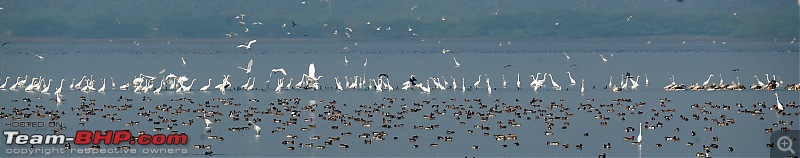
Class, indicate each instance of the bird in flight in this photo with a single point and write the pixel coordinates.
(249, 67)
(281, 70)
(507, 66)
(4, 44)
(157, 28)
(294, 24)
(630, 17)
(248, 44)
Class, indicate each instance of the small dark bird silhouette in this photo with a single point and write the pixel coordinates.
(294, 24)
(507, 66)
(735, 70)
(4, 44)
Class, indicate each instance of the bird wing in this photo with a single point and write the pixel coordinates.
(241, 68)
(242, 46)
(250, 64)
(251, 42)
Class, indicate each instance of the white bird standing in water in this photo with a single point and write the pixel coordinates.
(58, 91)
(183, 61)
(646, 81)
(518, 81)
(582, 86)
(555, 85)
(463, 86)
(255, 127)
(365, 62)
(103, 87)
(778, 101)
(571, 81)
(338, 84)
(639, 138)
(205, 88)
(345, 60)
(457, 64)
(504, 80)
(565, 54)
(208, 122)
(477, 83)
(488, 86)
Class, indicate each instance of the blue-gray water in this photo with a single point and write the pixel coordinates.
(690, 63)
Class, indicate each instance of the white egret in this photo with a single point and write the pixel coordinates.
(555, 85)
(518, 81)
(281, 70)
(158, 90)
(103, 87)
(778, 101)
(183, 61)
(4, 83)
(582, 86)
(488, 86)
(208, 122)
(504, 81)
(58, 91)
(345, 60)
(338, 84)
(250, 87)
(255, 127)
(247, 83)
(248, 44)
(604, 58)
(249, 67)
(639, 138)
(709, 79)
(646, 81)
(571, 81)
(189, 87)
(478, 82)
(565, 54)
(47, 88)
(463, 87)
(457, 64)
(205, 88)
(365, 62)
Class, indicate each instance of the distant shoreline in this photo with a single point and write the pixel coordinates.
(430, 39)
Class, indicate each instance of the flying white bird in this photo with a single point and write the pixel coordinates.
(604, 58)
(281, 70)
(249, 67)
(248, 44)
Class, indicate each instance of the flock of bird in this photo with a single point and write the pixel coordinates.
(284, 115)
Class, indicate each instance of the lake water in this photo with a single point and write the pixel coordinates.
(689, 63)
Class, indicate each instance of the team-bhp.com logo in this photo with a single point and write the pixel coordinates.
(84, 137)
